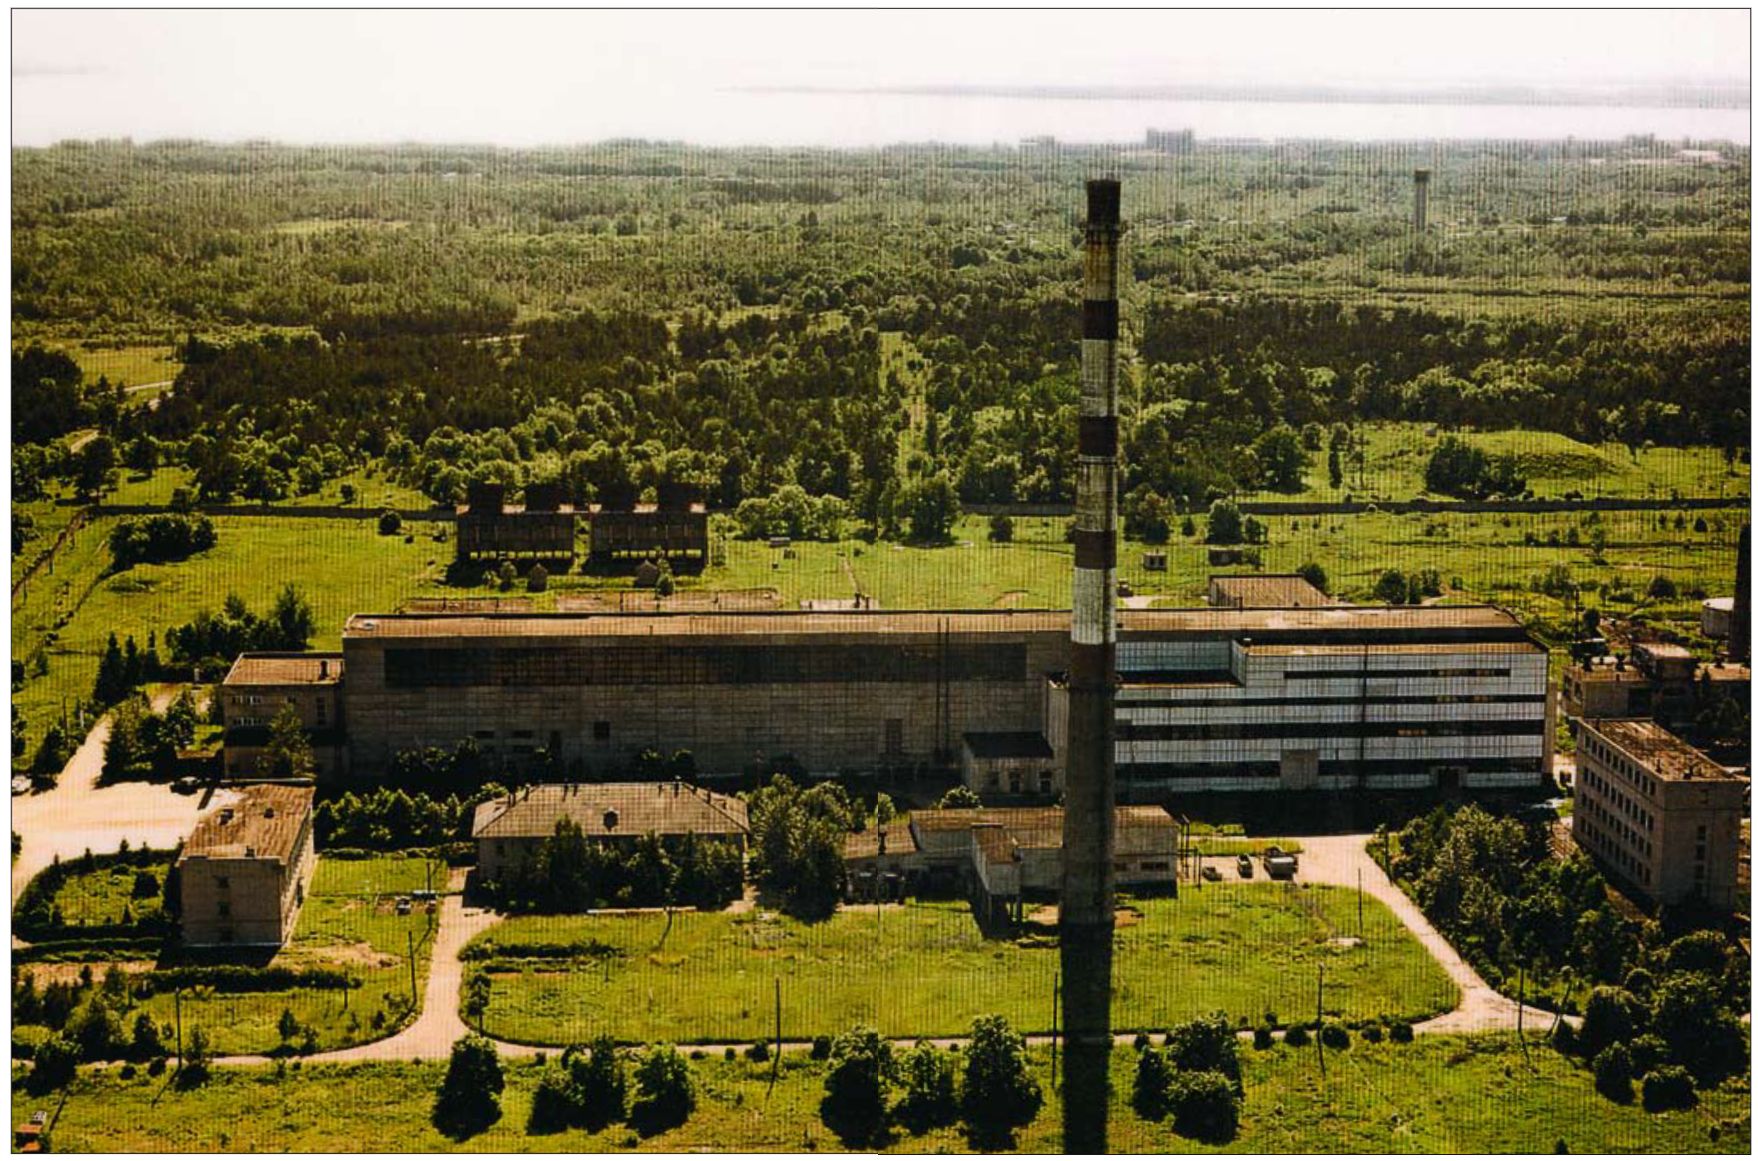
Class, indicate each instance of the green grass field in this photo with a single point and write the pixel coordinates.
(342, 566)
(1439, 1095)
(1245, 949)
(1554, 465)
(131, 366)
(99, 896)
(348, 920)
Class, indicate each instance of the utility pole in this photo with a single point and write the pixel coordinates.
(1321, 1021)
(1360, 908)
(1055, 1005)
(414, 997)
(775, 1059)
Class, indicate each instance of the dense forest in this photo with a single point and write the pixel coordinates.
(869, 326)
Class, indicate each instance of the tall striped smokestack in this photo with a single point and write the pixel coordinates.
(1088, 887)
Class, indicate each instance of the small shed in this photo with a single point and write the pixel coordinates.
(1153, 561)
(1011, 762)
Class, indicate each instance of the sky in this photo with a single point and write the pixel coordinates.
(559, 77)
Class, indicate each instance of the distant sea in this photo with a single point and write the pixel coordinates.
(872, 119)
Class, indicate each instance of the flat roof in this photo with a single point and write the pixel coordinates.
(1396, 647)
(603, 809)
(1659, 750)
(1664, 649)
(1332, 618)
(263, 824)
(1270, 591)
(1031, 826)
(1009, 744)
(285, 669)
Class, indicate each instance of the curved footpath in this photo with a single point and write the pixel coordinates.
(1330, 859)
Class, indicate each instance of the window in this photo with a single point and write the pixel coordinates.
(601, 731)
(322, 711)
(222, 882)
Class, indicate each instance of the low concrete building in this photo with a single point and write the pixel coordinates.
(650, 531)
(1010, 762)
(243, 874)
(508, 831)
(1265, 591)
(1003, 855)
(1656, 813)
(260, 685)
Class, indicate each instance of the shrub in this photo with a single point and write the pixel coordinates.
(1611, 1073)
(1263, 1038)
(1298, 1036)
(470, 1096)
(1142, 1040)
(820, 1048)
(1646, 1051)
(1205, 1045)
(1334, 1036)
(999, 1093)
(1151, 1097)
(552, 1104)
(1668, 1087)
(758, 1052)
(861, 1069)
(1612, 1016)
(194, 1070)
(1564, 1039)
(601, 1084)
(1205, 1106)
(1373, 1033)
(537, 580)
(665, 1092)
(929, 1079)
(389, 522)
(1001, 528)
(54, 1064)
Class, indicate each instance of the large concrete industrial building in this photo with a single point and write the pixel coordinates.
(1334, 698)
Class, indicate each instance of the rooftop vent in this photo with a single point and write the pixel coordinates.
(226, 815)
(268, 812)
(610, 820)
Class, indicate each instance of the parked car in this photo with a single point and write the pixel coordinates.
(1212, 873)
(1245, 866)
(1278, 864)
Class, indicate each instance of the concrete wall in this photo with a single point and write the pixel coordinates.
(245, 900)
(844, 725)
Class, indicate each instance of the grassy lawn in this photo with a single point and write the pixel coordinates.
(1440, 1095)
(130, 366)
(1554, 465)
(1246, 949)
(99, 896)
(1228, 846)
(349, 921)
(343, 566)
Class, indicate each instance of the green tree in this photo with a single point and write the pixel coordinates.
(855, 1087)
(1391, 588)
(999, 1093)
(1281, 458)
(930, 1088)
(1314, 575)
(931, 506)
(470, 1096)
(1001, 528)
(1225, 524)
(600, 1081)
(53, 1065)
(288, 752)
(390, 522)
(665, 1092)
(95, 467)
(959, 798)
(292, 621)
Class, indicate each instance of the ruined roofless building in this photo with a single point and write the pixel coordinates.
(490, 529)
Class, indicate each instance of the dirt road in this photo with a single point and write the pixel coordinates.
(79, 815)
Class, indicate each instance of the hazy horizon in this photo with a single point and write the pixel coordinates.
(869, 79)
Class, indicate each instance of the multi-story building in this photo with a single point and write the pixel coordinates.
(1331, 697)
(508, 831)
(244, 871)
(1662, 681)
(260, 686)
(1660, 815)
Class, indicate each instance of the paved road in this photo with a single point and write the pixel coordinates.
(1332, 859)
(78, 814)
(1339, 860)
